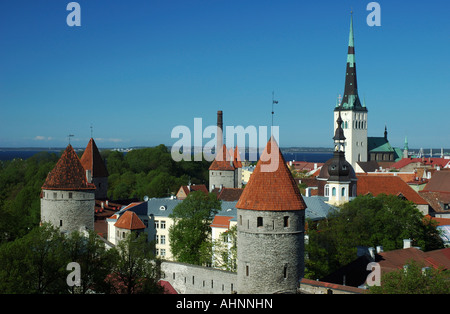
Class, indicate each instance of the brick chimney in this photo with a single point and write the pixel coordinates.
(219, 130)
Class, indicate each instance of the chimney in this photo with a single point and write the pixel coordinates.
(219, 130)
(406, 243)
(372, 253)
(88, 176)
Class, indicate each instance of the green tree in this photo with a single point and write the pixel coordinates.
(366, 221)
(136, 269)
(191, 228)
(413, 279)
(95, 261)
(34, 263)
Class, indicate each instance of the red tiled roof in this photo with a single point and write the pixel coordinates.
(221, 221)
(229, 194)
(441, 162)
(396, 259)
(387, 184)
(91, 160)
(129, 220)
(68, 174)
(168, 288)
(237, 158)
(223, 160)
(271, 186)
(439, 182)
(191, 188)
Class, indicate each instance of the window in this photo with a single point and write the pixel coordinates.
(60, 223)
(343, 192)
(285, 271)
(286, 221)
(55, 195)
(156, 224)
(163, 224)
(240, 220)
(163, 252)
(70, 194)
(163, 239)
(327, 190)
(333, 192)
(259, 222)
(246, 270)
(157, 239)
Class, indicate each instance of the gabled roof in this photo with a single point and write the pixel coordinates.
(91, 160)
(221, 222)
(387, 184)
(186, 189)
(439, 182)
(223, 161)
(271, 186)
(130, 221)
(228, 194)
(68, 174)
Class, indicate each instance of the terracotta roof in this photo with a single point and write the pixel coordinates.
(396, 259)
(91, 160)
(441, 162)
(223, 160)
(221, 221)
(168, 288)
(129, 220)
(68, 174)
(439, 182)
(387, 184)
(186, 189)
(228, 194)
(271, 186)
(237, 158)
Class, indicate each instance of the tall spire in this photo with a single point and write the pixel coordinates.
(351, 100)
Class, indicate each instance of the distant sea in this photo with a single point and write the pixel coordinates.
(297, 156)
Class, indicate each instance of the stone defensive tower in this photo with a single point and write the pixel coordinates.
(270, 230)
(67, 198)
(92, 161)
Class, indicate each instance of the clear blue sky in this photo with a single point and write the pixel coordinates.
(136, 69)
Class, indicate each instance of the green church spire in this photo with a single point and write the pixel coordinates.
(351, 100)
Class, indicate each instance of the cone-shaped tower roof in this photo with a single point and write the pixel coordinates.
(271, 186)
(91, 160)
(68, 174)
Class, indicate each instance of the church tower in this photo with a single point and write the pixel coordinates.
(270, 228)
(67, 198)
(354, 115)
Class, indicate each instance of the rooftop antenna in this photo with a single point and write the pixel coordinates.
(69, 136)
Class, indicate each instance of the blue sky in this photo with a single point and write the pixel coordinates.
(136, 69)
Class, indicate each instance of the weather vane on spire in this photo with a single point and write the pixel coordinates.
(69, 136)
(273, 102)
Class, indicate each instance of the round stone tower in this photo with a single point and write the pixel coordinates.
(270, 230)
(67, 198)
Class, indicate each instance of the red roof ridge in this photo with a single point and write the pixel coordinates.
(271, 186)
(68, 174)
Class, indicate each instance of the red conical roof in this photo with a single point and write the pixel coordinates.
(68, 174)
(91, 160)
(271, 185)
